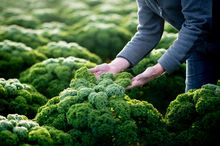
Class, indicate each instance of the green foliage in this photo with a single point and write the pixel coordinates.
(77, 115)
(17, 129)
(40, 135)
(181, 112)
(68, 92)
(53, 75)
(87, 18)
(83, 78)
(148, 61)
(105, 40)
(63, 49)
(111, 7)
(17, 57)
(99, 100)
(49, 114)
(75, 16)
(91, 111)
(93, 115)
(142, 111)
(194, 116)
(5, 125)
(167, 40)
(130, 22)
(10, 12)
(85, 74)
(101, 123)
(47, 15)
(23, 20)
(19, 98)
(59, 137)
(115, 90)
(54, 31)
(21, 132)
(123, 79)
(81, 138)
(207, 99)
(169, 28)
(29, 37)
(8, 138)
(12, 132)
(105, 76)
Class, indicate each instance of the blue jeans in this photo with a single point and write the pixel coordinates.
(201, 69)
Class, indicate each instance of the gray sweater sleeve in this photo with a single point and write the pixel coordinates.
(149, 31)
(197, 14)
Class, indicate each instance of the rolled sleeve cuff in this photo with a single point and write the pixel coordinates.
(168, 62)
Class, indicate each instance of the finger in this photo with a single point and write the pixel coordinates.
(137, 78)
(135, 83)
(128, 87)
(131, 87)
(93, 70)
(97, 74)
(101, 67)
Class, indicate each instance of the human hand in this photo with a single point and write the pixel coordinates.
(149, 74)
(103, 68)
(116, 66)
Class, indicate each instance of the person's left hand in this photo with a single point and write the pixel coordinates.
(149, 74)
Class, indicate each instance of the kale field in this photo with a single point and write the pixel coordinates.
(49, 98)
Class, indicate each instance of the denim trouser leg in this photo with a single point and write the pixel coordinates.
(201, 70)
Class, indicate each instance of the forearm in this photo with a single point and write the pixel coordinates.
(149, 32)
(191, 36)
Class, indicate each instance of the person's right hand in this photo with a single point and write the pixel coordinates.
(116, 66)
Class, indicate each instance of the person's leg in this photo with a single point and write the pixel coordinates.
(201, 69)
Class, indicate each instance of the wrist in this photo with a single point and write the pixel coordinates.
(119, 64)
(158, 69)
